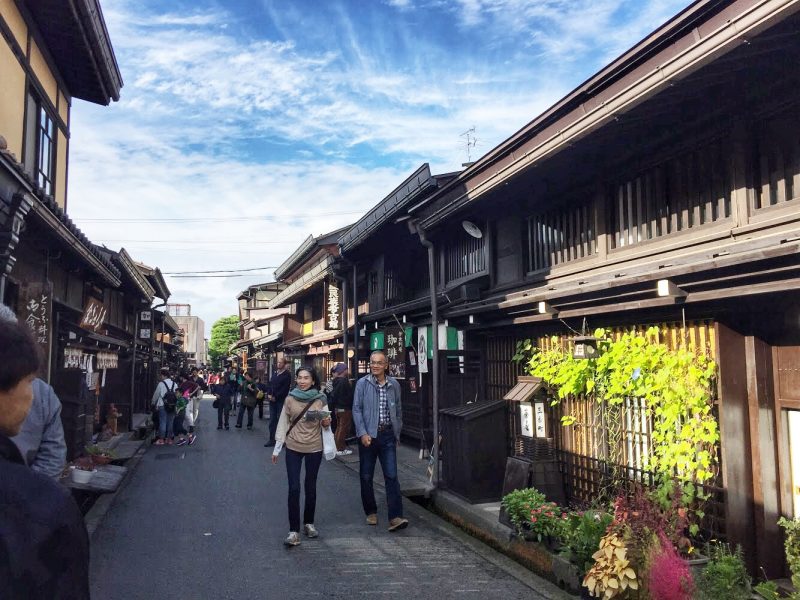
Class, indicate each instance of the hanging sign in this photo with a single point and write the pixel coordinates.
(94, 315)
(422, 349)
(333, 307)
(145, 316)
(395, 349)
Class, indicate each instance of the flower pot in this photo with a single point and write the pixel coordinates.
(81, 476)
(101, 459)
(697, 564)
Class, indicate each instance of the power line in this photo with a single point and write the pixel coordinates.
(214, 219)
(209, 276)
(198, 242)
(219, 271)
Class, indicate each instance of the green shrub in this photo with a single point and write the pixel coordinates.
(725, 576)
(520, 503)
(792, 547)
(581, 536)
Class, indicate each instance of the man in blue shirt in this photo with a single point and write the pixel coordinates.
(379, 420)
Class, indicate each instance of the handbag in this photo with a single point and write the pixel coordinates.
(215, 403)
(260, 395)
(328, 443)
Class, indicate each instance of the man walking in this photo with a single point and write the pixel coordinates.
(378, 420)
(341, 399)
(249, 401)
(279, 384)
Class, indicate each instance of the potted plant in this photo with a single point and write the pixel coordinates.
(546, 524)
(581, 537)
(83, 470)
(99, 456)
(518, 506)
(669, 576)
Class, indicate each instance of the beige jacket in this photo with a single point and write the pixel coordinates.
(306, 436)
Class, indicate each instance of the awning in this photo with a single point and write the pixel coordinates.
(313, 339)
(525, 389)
(266, 339)
(316, 273)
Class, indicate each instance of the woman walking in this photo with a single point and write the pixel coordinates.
(300, 428)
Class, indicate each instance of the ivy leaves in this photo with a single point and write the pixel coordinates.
(677, 386)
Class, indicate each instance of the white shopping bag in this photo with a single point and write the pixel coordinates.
(328, 443)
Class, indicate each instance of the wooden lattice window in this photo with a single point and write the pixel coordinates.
(561, 236)
(777, 164)
(685, 192)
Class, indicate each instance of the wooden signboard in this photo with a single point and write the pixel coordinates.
(36, 310)
(333, 307)
(395, 341)
(94, 315)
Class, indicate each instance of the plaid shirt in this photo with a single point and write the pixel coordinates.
(384, 418)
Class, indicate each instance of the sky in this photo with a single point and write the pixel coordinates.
(245, 126)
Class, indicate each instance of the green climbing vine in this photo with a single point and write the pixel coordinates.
(677, 386)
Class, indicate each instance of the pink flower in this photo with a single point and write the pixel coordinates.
(563, 515)
(533, 520)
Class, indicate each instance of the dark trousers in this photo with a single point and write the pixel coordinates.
(383, 448)
(177, 425)
(250, 410)
(260, 409)
(223, 411)
(294, 462)
(275, 410)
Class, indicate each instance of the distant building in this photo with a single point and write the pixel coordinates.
(193, 328)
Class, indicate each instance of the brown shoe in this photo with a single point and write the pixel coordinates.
(372, 519)
(398, 523)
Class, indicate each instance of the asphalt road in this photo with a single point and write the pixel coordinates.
(208, 521)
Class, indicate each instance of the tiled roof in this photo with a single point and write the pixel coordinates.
(50, 204)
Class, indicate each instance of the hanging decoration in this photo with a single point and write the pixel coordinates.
(107, 360)
(73, 357)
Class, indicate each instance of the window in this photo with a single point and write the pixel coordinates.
(40, 147)
(561, 236)
(777, 165)
(685, 192)
(464, 256)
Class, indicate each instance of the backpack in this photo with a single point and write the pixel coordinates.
(170, 399)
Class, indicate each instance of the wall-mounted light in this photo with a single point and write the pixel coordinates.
(545, 308)
(585, 347)
(472, 319)
(666, 288)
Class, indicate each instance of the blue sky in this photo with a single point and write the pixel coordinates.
(272, 120)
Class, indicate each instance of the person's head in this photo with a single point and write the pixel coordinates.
(378, 363)
(193, 371)
(249, 376)
(307, 378)
(19, 362)
(164, 373)
(339, 370)
(281, 363)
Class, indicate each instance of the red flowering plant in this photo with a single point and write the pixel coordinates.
(670, 577)
(547, 522)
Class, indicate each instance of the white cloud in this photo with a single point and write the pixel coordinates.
(319, 120)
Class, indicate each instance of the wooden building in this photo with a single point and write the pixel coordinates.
(313, 332)
(663, 190)
(385, 265)
(261, 328)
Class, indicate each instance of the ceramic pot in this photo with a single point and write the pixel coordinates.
(81, 476)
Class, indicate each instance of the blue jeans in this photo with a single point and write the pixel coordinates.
(294, 462)
(383, 448)
(165, 422)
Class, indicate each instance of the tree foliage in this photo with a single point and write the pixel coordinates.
(224, 332)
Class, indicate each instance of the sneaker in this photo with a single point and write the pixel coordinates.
(159, 442)
(269, 444)
(398, 523)
(310, 530)
(372, 519)
(169, 442)
(249, 427)
(219, 427)
(347, 452)
(227, 427)
(192, 439)
(293, 539)
(238, 427)
(182, 442)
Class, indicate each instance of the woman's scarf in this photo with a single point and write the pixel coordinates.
(309, 395)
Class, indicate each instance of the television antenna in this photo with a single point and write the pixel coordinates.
(470, 142)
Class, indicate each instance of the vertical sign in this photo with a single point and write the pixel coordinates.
(333, 307)
(36, 311)
(396, 351)
(526, 419)
(541, 420)
(422, 349)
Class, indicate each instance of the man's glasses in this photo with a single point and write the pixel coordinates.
(373, 363)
